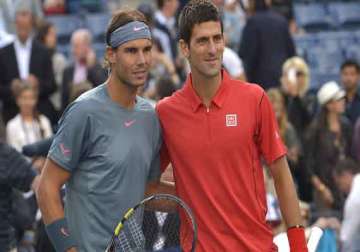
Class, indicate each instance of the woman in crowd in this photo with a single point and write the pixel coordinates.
(294, 85)
(328, 140)
(28, 126)
(46, 34)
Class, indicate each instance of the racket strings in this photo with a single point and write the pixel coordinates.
(150, 230)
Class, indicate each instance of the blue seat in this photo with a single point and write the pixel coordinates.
(353, 52)
(347, 15)
(303, 42)
(85, 6)
(317, 79)
(99, 49)
(65, 26)
(325, 60)
(97, 24)
(334, 40)
(357, 36)
(312, 17)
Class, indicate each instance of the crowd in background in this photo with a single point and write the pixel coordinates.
(321, 128)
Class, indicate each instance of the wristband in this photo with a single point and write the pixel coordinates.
(59, 235)
(296, 237)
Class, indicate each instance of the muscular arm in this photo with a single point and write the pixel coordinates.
(285, 189)
(52, 179)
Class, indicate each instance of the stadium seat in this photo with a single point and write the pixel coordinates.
(353, 52)
(325, 60)
(99, 49)
(65, 25)
(338, 39)
(347, 15)
(317, 79)
(85, 6)
(303, 42)
(357, 36)
(312, 17)
(97, 24)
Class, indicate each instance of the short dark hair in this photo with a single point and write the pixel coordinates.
(160, 3)
(196, 12)
(350, 63)
(346, 165)
(121, 18)
(42, 31)
(165, 87)
(260, 5)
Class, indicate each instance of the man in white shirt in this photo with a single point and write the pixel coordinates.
(165, 21)
(28, 60)
(233, 64)
(347, 178)
(84, 69)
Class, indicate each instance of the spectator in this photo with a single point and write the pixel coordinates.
(165, 21)
(164, 87)
(15, 173)
(28, 60)
(5, 37)
(263, 58)
(233, 64)
(46, 34)
(161, 67)
(28, 126)
(356, 140)
(300, 106)
(8, 11)
(287, 130)
(54, 7)
(234, 20)
(294, 85)
(350, 77)
(285, 8)
(328, 140)
(85, 66)
(347, 178)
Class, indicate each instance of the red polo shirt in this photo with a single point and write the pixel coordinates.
(216, 155)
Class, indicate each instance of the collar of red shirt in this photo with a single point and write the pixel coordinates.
(219, 98)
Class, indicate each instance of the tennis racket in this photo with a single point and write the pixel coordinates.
(161, 222)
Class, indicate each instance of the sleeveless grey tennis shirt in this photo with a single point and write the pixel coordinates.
(111, 152)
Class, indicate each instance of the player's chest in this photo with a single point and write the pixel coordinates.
(223, 128)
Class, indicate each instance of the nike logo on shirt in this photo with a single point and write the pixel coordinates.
(64, 151)
(129, 123)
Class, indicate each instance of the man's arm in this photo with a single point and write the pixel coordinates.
(52, 179)
(289, 204)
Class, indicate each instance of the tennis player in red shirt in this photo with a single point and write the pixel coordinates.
(216, 133)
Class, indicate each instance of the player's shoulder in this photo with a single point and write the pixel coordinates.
(172, 102)
(89, 101)
(144, 104)
(250, 89)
